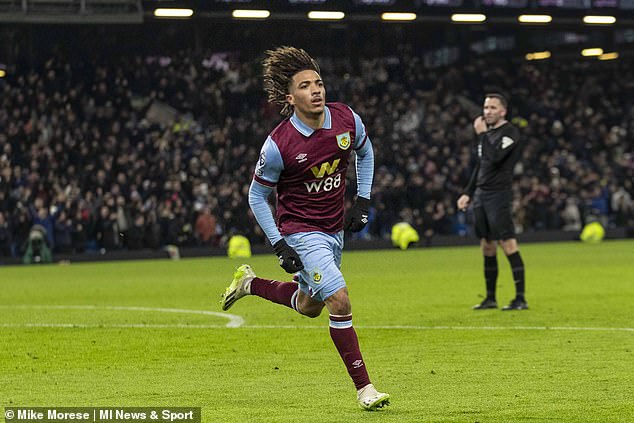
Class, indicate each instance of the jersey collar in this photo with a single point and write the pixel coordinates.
(306, 130)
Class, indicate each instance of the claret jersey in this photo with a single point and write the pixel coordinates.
(308, 168)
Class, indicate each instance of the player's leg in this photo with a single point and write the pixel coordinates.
(308, 306)
(245, 282)
(345, 339)
(321, 280)
(503, 229)
(286, 293)
(339, 305)
(489, 253)
(488, 249)
(512, 252)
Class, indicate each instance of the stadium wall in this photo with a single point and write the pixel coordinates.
(351, 245)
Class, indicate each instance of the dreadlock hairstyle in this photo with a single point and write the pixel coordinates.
(279, 67)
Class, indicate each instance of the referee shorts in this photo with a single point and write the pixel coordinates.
(493, 215)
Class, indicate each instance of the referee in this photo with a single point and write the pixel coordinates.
(490, 187)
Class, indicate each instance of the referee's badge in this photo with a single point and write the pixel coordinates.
(343, 140)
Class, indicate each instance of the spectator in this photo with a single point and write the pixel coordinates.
(63, 234)
(167, 134)
(136, 234)
(5, 237)
(205, 230)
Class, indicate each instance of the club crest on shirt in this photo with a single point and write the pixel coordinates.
(343, 140)
(316, 276)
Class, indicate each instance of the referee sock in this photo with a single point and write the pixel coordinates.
(491, 274)
(284, 293)
(345, 339)
(517, 267)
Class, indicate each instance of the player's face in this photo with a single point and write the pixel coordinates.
(307, 93)
(494, 111)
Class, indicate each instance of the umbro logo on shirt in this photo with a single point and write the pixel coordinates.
(301, 157)
(507, 141)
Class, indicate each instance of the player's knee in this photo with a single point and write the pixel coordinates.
(488, 247)
(311, 313)
(310, 309)
(509, 246)
(339, 303)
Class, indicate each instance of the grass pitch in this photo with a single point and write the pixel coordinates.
(124, 334)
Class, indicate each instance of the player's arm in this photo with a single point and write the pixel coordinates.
(357, 218)
(365, 159)
(267, 174)
(469, 189)
(258, 201)
(465, 198)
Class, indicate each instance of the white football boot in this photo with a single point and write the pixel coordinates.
(370, 399)
(240, 286)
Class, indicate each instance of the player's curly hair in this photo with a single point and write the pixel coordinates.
(279, 67)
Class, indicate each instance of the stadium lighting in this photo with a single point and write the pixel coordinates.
(539, 55)
(3, 73)
(588, 52)
(542, 19)
(394, 16)
(173, 13)
(609, 56)
(250, 14)
(468, 17)
(599, 20)
(323, 15)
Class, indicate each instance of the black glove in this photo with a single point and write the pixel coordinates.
(357, 216)
(289, 260)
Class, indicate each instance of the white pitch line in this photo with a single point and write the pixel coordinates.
(111, 326)
(234, 320)
(197, 326)
(405, 327)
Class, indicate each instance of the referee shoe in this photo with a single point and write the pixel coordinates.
(516, 304)
(488, 303)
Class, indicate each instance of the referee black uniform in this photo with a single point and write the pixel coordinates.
(499, 149)
(491, 188)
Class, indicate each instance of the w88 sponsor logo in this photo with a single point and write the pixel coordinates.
(327, 184)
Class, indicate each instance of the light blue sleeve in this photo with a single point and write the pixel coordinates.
(360, 132)
(258, 196)
(365, 158)
(270, 163)
(267, 173)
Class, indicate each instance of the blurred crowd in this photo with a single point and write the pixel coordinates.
(142, 152)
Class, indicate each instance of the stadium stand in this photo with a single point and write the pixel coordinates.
(141, 151)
